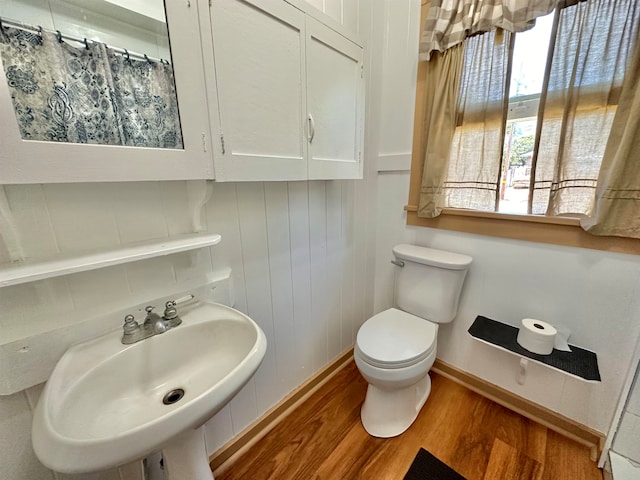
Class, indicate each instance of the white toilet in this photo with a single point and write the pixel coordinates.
(396, 348)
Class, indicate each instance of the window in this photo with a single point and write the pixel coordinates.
(531, 130)
(552, 116)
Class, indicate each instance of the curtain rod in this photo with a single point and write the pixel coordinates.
(83, 41)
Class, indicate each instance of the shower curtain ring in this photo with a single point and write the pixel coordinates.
(40, 30)
(86, 44)
(148, 59)
(126, 52)
(59, 36)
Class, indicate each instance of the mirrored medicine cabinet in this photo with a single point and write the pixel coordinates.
(102, 90)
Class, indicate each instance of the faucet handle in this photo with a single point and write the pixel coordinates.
(170, 310)
(130, 325)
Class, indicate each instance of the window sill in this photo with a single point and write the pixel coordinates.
(533, 228)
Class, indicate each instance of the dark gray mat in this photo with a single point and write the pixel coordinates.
(579, 362)
(427, 467)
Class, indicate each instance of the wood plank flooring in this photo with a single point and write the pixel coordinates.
(323, 439)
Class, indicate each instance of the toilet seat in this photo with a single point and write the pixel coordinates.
(395, 339)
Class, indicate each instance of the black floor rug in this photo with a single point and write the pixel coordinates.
(427, 467)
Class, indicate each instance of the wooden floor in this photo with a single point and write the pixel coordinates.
(324, 439)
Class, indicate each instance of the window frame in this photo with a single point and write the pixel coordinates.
(565, 231)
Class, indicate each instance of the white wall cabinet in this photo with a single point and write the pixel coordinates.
(35, 161)
(266, 89)
(290, 93)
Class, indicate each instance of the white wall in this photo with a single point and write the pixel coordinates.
(594, 293)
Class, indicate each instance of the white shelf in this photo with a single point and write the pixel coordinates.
(31, 271)
(578, 363)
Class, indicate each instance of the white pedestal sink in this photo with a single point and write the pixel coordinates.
(103, 404)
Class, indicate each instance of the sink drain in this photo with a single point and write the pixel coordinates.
(173, 396)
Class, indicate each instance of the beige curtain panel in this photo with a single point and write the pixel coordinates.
(449, 22)
(593, 46)
(476, 150)
(617, 206)
(465, 132)
(441, 97)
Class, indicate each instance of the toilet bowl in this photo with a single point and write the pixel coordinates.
(395, 349)
(394, 352)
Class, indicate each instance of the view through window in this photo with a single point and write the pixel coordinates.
(527, 77)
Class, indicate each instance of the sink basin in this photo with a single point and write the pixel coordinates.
(107, 404)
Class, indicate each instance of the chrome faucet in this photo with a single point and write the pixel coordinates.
(153, 324)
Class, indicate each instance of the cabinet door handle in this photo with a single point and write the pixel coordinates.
(312, 128)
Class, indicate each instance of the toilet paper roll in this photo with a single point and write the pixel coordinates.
(562, 338)
(536, 336)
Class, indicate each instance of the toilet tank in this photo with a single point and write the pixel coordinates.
(430, 283)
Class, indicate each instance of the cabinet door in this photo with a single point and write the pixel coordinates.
(259, 65)
(335, 103)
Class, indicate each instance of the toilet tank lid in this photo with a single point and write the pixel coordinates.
(431, 256)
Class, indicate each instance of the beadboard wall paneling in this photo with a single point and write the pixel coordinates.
(279, 248)
(255, 256)
(296, 260)
(319, 287)
(292, 247)
(222, 215)
(300, 238)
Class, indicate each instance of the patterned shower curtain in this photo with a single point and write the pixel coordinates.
(90, 94)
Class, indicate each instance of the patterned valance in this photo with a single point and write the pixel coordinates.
(449, 22)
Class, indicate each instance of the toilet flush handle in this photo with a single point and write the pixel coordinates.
(398, 263)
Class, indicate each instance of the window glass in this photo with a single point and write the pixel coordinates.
(527, 77)
(530, 59)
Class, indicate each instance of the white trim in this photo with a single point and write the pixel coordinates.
(394, 162)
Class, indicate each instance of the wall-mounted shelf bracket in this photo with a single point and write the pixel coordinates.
(522, 371)
(199, 193)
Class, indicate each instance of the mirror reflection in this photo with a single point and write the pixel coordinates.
(95, 72)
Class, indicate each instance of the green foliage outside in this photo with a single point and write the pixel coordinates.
(520, 145)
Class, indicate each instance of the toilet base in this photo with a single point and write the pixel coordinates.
(389, 412)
